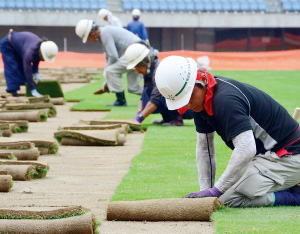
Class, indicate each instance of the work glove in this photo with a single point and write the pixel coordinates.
(37, 77)
(211, 192)
(139, 117)
(36, 93)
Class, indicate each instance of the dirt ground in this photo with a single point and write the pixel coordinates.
(86, 176)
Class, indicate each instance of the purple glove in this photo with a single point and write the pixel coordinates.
(139, 118)
(211, 192)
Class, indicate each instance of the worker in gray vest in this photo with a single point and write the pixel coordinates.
(115, 41)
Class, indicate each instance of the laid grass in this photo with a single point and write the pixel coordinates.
(166, 166)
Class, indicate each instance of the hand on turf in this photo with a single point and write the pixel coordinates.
(35, 93)
(139, 118)
(211, 192)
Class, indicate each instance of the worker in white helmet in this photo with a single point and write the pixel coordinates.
(137, 27)
(145, 62)
(21, 54)
(107, 16)
(264, 167)
(115, 41)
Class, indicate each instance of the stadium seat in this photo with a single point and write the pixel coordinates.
(296, 6)
(66, 5)
(181, 6)
(48, 5)
(136, 4)
(29, 4)
(11, 4)
(20, 4)
(39, 4)
(218, 6)
(3, 4)
(226, 6)
(262, 6)
(75, 5)
(253, 6)
(102, 4)
(85, 5)
(287, 6)
(172, 6)
(208, 6)
(244, 6)
(190, 6)
(163, 6)
(199, 5)
(127, 6)
(57, 5)
(235, 6)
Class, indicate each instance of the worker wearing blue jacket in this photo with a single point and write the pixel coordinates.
(137, 27)
(21, 54)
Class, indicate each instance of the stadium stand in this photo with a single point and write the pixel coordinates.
(158, 5)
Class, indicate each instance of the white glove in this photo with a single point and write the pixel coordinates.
(36, 93)
(37, 77)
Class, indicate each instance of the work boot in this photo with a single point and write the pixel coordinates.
(160, 122)
(104, 89)
(14, 93)
(121, 101)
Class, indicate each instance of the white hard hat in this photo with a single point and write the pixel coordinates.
(103, 12)
(83, 29)
(175, 79)
(48, 49)
(135, 53)
(136, 12)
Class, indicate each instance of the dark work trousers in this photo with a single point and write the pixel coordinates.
(13, 66)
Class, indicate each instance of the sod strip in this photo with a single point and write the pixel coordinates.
(88, 138)
(41, 168)
(30, 115)
(133, 124)
(168, 209)
(22, 145)
(24, 154)
(122, 128)
(16, 126)
(83, 224)
(6, 183)
(45, 98)
(46, 147)
(57, 101)
(19, 172)
(44, 214)
(33, 106)
(6, 155)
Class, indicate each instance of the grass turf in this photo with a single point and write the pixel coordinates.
(166, 166)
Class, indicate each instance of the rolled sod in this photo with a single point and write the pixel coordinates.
(168, 209)
(6, 155)
(57, 101)
(24, 154)
(46, 147)
(5, 183)
(81, 224)
(19, 172)
(10, 145)
(89, 138)
(30, 115)
(122, 128)
(6, 133)
(42, 214)
(41, 167)
(33, 106)
(44, 98)
(17, 125)
(133, 124)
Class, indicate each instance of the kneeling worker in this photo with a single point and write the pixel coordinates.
(264, 167)
(21, 54)
(145, 62)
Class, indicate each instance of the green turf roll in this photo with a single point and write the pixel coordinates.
(51, 88)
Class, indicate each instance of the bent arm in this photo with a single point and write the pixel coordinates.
(206, 162)
(243, 153)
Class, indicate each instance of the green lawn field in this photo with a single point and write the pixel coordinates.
(166, 166)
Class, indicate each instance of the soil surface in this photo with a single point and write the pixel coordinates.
(86, 176)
